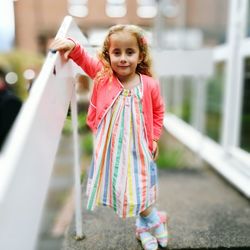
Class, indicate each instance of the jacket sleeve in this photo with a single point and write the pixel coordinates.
(89, 64)
(158, 111)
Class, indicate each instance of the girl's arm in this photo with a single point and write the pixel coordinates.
(158, 111)
(72, 50)
(158, 116)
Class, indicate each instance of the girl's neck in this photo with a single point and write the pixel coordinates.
(130, 82)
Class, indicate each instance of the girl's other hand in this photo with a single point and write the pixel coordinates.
(155, 150)
(63, 45)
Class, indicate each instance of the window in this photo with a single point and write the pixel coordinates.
(78, 8)
(116, 8)
(146, 8)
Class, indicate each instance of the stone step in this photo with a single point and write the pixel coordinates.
(205, 213)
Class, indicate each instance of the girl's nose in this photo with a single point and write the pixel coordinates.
(123, 58)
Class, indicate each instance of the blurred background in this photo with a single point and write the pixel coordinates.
(28, 26)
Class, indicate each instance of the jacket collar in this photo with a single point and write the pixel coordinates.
(120, 84)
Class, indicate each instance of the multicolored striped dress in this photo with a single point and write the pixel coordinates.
(123, 174)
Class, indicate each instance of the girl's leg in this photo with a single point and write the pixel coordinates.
(148, 241)
(157, 221)
(146, 212)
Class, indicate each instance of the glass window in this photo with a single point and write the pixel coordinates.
(146, 8)
(78, 8)
(116, 8)
(245, 121)
(213, 116)
(146, 11)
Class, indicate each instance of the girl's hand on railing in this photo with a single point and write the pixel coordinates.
(63, 45)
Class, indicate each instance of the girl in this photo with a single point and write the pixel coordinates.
(126, 115)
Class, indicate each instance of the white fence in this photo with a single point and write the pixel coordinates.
(27, 157)
(230, 162)
(226, 157)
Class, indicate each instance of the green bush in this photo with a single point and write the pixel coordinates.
(82, 122)
(171, 158)
(82, 126)
(18, 61)
(67, 128)
(87, 144)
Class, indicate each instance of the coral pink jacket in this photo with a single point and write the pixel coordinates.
(105, 92)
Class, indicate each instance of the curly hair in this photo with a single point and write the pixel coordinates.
(144, 67)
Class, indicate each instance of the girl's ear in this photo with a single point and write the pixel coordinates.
(141, 58)
(106, 56)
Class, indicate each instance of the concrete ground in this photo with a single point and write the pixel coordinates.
(58, 199)
(205, 213)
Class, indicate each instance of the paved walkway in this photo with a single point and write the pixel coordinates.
(59, 196)
(205, 213)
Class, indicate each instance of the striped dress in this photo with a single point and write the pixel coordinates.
(123, 174)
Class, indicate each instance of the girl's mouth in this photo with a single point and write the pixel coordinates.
(123, 66)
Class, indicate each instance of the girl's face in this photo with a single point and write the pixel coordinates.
(124, 55)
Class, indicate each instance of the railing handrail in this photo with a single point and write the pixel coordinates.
(28, 155)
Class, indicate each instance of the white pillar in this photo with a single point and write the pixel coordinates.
(77, 169)
(234, 71)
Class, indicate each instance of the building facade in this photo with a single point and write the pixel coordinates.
(37, 21)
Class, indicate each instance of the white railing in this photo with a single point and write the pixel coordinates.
(26, 161)
(234, 165)
(226, 157)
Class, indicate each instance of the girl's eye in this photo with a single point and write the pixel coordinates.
(116, 53)
(130, 52)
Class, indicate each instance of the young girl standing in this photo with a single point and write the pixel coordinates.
(126, 115)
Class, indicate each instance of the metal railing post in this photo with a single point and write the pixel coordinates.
(77, 169)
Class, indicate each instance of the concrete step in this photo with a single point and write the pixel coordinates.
(205, 213)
